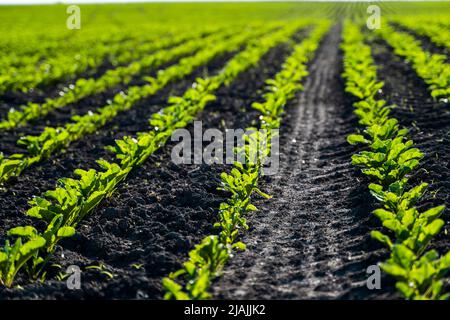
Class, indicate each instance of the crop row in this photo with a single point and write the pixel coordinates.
(432, 68)
(60, 67)
(43, 44)
(53, 140)
(120, 75)
(68, 63)
(32, 51)
(208, 258)
(63, 208)
(388, 160)
(438, 34)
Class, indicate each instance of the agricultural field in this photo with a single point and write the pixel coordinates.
(354, 119)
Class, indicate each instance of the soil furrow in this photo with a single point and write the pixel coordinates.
(163, 210)
(429, 124)
(62, 116)
(426, 42)
(16, 99)
(84, 153)
(41, 92)
(312, 239)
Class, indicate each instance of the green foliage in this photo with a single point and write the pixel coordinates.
(437, 32)
(208, 258)
(38, 53)
(53, 140)
(172, 48)
(62, 209)
(419, 278)
(205, 261)
(432, 68)
(73, 199)
(388, 161)
(25, 252)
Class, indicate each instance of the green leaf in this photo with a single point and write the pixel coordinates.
(377, 191)
(27, 231)
(434, 227)
(406, 290)
(409, 217)
(171, 285)
(66, 232)
(393, 225)
(445, 261)
(240, 246)
(174, 290)
(433, 213)
(94, 199)
(262, 194)
(403, 255)
(437, 288)
(383, 214)
(384, 239)
(3, 257)
(201, 285)
(394, 270)
(356, 138)
(32, 245)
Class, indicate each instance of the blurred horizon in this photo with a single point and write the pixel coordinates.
(32, 2)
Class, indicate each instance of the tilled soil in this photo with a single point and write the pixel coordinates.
(426, 42)
(311, 241)
(84, 153)
(429, 124)
(147, 228)
(61, 116)
(52, 90)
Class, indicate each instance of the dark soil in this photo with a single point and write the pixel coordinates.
(311, 241)
(41, 93)
(426, 42)
(429, 124)
(62, 116)
(154, 219)
(84, 153)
